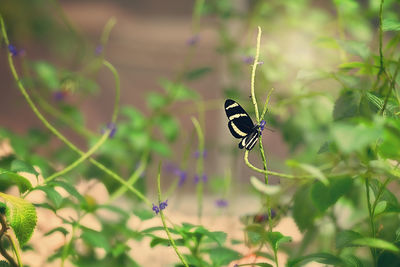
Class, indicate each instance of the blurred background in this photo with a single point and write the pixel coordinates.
(178, 59)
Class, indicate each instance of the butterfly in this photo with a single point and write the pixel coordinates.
(241, 126)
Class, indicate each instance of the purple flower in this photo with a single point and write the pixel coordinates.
(221, 203)
(204, 178)
(13, 50)
(193, 40)
(164, 204)
(59, 95)
(262, 125)
(112, 127)
(156, 209)
(250, 60)
(199, 154)
(170, 167)
(99, 49)
(182, 178)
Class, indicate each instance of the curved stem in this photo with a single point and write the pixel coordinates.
(15, 249)
(3, 251)
(55, 131)
(163, 219)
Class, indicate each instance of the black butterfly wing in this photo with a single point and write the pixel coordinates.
(250, 140)
(240, 123)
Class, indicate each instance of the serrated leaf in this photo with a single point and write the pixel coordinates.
(264, 188)
(95, 239)
(22, 217)
(346, 106)
(324, 258)
(376, 243)
(21, 166)
(325, 196)
(344, 238)
(389, 24)
(8, 178)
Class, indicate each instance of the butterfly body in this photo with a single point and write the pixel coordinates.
(241, 126)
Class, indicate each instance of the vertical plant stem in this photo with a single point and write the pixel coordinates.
(199, 166)
(381, 66)
(253, 75)
(15, 249)
(163, 219)
(3, 251)
(371, 219)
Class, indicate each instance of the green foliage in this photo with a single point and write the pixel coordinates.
(22, 217)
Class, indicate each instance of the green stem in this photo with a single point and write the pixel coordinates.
(3, 232)
(381, 67)
(15, 249)
(134, 177)
(371, 219)
(253, 74)
(199, 165)
(163, 219)
(54, 130)
(84, 157)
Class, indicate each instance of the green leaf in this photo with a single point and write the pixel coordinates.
(155, 100)
(324, 258)
(136, 118)
(52, 195)
(217, 236)
(314, 171)
(269, 190)
(178, 91)
(346, 106)
(22, 217)
(4, 264)
(376, 243)
(352, 65)
(304, 211)
(95, 239)
(69, 188)
(350, 138)
(221, 256)
(169, 127)
(344, 238)
(8, 178)
(276, 238)
(144, 214)
(389, 24)
(47, 73)
(197, 73)
(380, 207)
(21, 166)
(325, 196)
(160, 148)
